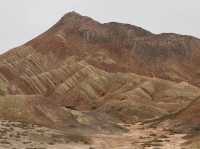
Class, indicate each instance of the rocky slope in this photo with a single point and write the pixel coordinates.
(85, 74)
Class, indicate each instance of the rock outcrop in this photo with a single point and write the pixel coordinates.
(82, 73)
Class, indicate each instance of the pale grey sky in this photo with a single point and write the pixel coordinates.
(22, 20)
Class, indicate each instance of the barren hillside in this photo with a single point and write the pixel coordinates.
(87, 77)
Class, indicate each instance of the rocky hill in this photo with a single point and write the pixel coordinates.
(85, 74)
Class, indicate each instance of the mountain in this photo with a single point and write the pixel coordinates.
(85, 74)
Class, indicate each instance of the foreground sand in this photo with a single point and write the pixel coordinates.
(141, 138)
(16, 135)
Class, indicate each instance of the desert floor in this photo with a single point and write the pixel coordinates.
(16, 135)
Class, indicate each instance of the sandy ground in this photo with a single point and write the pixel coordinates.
(15, 135)
(140, 138)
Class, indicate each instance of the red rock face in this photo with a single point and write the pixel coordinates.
(83, 65)
(117, 47)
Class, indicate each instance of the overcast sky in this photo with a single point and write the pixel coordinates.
(22, 20)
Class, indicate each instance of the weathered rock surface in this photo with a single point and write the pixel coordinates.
(85, 74)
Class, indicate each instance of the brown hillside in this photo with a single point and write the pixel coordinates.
(85, 74)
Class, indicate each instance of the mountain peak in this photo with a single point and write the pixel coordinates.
(72, 14)
(74, 17)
